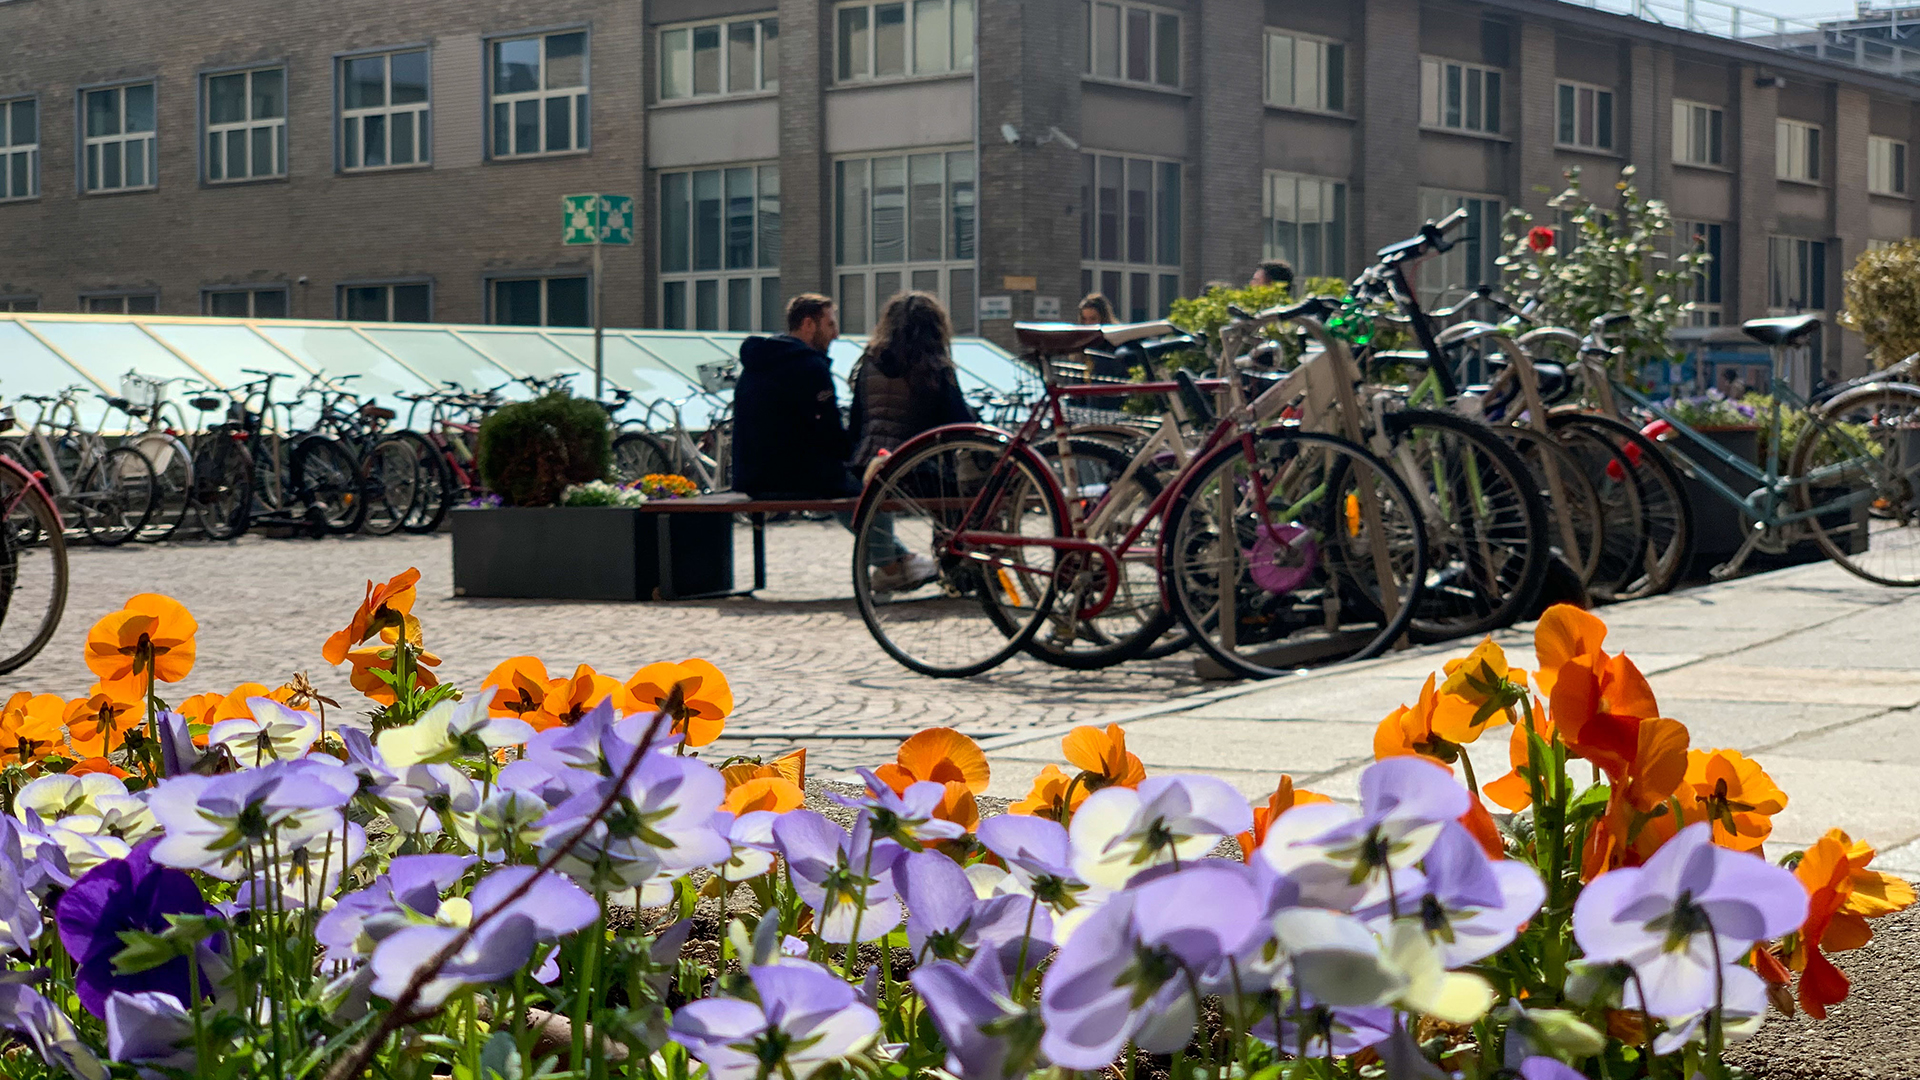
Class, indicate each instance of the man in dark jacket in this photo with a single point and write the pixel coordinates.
(788, 441)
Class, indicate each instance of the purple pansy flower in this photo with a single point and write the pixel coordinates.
(1039, 855)
(273, 733)
(750, 836)
(945, 921)
(907, 818)
(551, 909)
(20, 921)
(1339, 856)
(806, 1019)
(213, 822)
(987, 1034)
(1546, 1068)
(846, 878)
(1348, 1030)
(51, 1032)
(408, 892)
(1662, 919)
(134, 893)
(150, 1029)
(663, 822)
(1119, 832)
(1471, 905)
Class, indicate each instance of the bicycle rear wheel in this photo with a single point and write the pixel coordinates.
(323, 477)
(390, 476)
(1575, 517)
(984, 600)
(1487, 536)
(173, 475)
(223, 486)
(1867, 444)
(1289, 548)
(33, 570)
(1636, 483)
(637, 454)
(116, 496)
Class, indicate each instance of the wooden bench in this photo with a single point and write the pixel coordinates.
(734, 502)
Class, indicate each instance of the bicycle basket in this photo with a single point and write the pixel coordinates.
(140, 391)
(718, 375)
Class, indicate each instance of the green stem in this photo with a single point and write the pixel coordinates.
(584, 994)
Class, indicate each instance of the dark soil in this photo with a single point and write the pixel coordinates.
(1869, 1036)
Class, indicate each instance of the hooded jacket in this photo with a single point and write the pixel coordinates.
(787, 436)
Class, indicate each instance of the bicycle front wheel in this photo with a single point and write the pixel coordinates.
(173, 476)
(437, 490)
(1574, 514)
(33, 570)
(117, 496)
(390, 476)
(324, 478)
(1647, 535)
(637, 454)
(951, 567)
(1288, 548)
(1862, 457)
(223, 486)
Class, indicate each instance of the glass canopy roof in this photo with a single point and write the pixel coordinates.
(42, 353)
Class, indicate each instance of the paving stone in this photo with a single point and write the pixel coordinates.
(1872, 801)
(1726, 681)
(1883, 738)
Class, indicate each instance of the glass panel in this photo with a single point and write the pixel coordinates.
(365, 303)
(1280, 69)
(1106, 40)
(110, 165)
(412, 303)
(270, 304)
(269, 94)
(566, 61)
(374, 140)
(1337, 234)
(927, 281)
(262, 152)
(676, 64)
(1168, 194)
(516, 303)
(1473, 115)
(673, 305)
(1604, 122)
(1111, 170)
(769, 215)
(106, 305)
(889, 210)
(773, 318)
(502, 130)
(674, 222)
(1110, 287)
(1086, 209)
(581, 133)
(1285, 223)
(853, 43)
(706, 59)
(526, 127)
(931, 51)
(20, 175)
(103, 112)
(137, 163)
(740, 304)
(890, 40)
(742, 64)
(1139, 44)
(1493, 102)
(961, 305)
(403, 138)
(886, 286)
(1139, 297)
(25, 127)
(770, 54)
(409, 78)
(1139, 209)
(1166, 47)
(853, 303)
(516, 66)
(1306, 74)
(1565, 132)
(850, 200)
(960, 193)
(568, 303)
(227, 99)
(962, 34)
(1307, 261)
(227, 305)
(1336, 77)
(926, 201)
(1169, 292)
(706, 219)
(366, 82)
(739, 218)
(1453, 96)
(559, 123)
(140, 107)
(706, 304)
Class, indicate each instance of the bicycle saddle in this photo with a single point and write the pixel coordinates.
(1788, 330)
(377, 412)
(205, 403)
(1056, 337)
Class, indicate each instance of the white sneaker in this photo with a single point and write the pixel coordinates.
(904, 575)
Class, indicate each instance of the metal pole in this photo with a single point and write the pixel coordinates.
(599, 324)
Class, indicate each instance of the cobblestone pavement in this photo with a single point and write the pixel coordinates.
(798, 656)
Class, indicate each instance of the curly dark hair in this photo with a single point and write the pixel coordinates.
(913, 337)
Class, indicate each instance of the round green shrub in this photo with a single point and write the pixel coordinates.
(531, 451)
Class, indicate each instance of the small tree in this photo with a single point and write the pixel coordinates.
(1883, 301)
(1605, 261)
(531, 451)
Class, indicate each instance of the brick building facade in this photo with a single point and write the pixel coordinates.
(376, 160)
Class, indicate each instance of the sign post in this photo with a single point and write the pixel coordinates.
(597, 220)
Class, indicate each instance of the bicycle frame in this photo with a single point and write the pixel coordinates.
(29, 482)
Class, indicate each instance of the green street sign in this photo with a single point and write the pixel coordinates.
(596, 219)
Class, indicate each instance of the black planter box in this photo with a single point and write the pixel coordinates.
(1719, 527)
(590, 553)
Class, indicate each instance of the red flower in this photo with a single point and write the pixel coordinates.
(1540, 238)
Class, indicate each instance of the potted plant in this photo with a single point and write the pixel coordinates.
(561, 532)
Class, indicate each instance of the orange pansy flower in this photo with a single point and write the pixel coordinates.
(775, 793)
(1048, 796)
(1102, 758)
(97, 725)
(958, 805)
(1283, 799)
(527, 692)
(1598, 703)
(1735, 793)
(98, 765)
(1511, 791)
(1435, 727)
(30, 725)
(568, 700)
(1477, 676)
(941, 755)
(1564, 634)
(385, 607)
(523, 686)
(152, 633)
(1637, 819)
(693, 693)
(1842, 895)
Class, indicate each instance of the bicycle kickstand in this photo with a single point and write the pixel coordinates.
(1732, 566)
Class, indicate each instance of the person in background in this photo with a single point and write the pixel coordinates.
(1273, 272)
(1096, 310)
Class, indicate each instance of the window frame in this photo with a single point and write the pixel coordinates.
(252, 293)
(491, 100)
(762, 270)
(389, 284)
(1435, 119)
(9, 150)
(1809, 147)
(492, 281)
(1324, 85)
(125, 296)
(83, 141)
(1155, 14)
(763, 85)
(1685, 135)
(1165, 278)
(12, 302)
(910, 46)
(423, 111)
(951, 261)
(1560, 122)
(1898, 160)
(1331, 259)
(282, 144)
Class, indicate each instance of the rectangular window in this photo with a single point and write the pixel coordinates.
(720, 245)
(267, 303)
(910, 37)
(1305, 72)
(1796, 150)
(246, 125)
(1307, 224)
(119, 143)
(1796, 274)
(719, 58)
(1471, 261)
(1886, 165)
(1130, 231)
(1699, 132)
(19, 149)
(904, 222)
(1134, 43)
(383, 111)
(19, 303)
(537, 86)
(1584, 116)
(1460, 97)
(146, 303)
(543, 301)
(1707, 238)
(412, 302)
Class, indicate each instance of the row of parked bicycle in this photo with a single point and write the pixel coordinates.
(1321, 498)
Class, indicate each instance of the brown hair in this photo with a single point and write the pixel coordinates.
(1099, 303)
(806, 306)
(912, 336)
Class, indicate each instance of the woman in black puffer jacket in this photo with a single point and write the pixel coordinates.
(905, 383)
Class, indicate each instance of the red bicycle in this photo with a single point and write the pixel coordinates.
(33, 562)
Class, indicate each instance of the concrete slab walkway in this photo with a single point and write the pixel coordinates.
(1810, 671)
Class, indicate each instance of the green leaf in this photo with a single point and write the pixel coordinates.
(142, 951)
